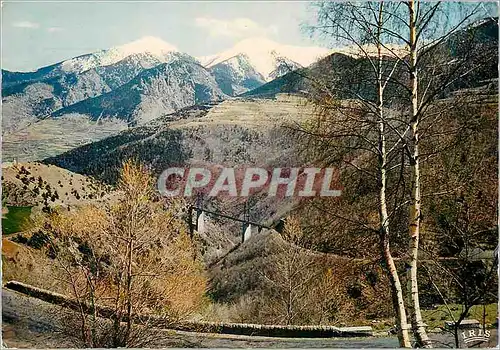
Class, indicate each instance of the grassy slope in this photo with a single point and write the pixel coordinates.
(15, 219)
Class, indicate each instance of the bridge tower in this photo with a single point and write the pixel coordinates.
(246, 227)
(248, 232)
(200, 215)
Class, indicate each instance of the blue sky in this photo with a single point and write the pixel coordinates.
(36, 34)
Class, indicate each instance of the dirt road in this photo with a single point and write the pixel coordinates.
(32, 323)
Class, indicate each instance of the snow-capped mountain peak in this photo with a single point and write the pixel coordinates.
(264, 53)
(148, 46)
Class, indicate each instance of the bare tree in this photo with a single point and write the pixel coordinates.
(329, 297)
(359, 131)
(302, 286)
(289, 277)
(130, 266)
(431, 29)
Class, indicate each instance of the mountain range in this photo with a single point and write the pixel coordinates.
(93, 96)
(144, 79)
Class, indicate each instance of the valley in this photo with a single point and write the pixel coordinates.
(49, 137)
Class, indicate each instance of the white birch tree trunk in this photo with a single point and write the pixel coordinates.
(396, 289)
(415, 211)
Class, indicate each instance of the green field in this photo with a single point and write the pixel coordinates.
(436, 318)
(15, 220)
